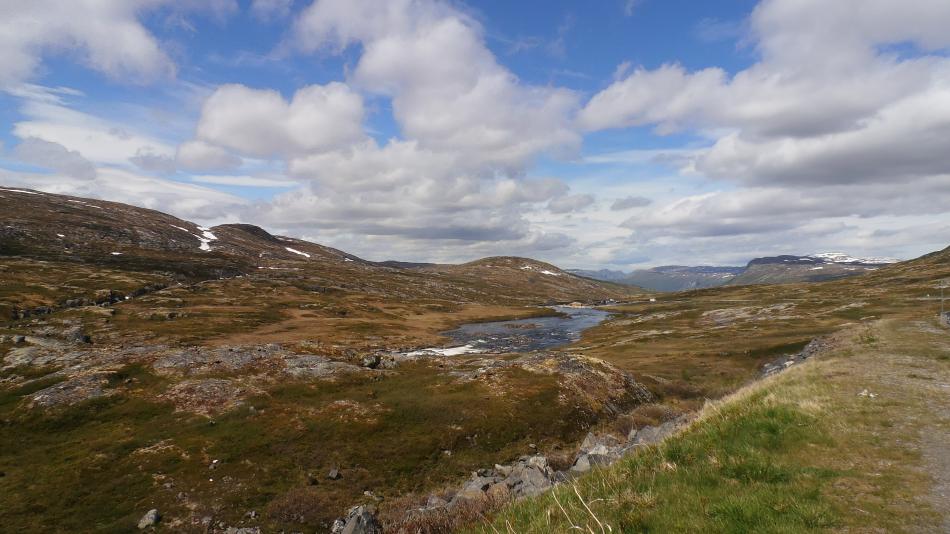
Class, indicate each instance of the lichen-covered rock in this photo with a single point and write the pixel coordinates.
(150, 519)
(209, 396)
(72, 391)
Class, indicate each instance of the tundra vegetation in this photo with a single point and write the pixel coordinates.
(265, 383)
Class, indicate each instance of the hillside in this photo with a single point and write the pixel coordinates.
(215, 372)
(42, 231)
(814, 268)
(851, 441)
(784, 269)
(237, 369)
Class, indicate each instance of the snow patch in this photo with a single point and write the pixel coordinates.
(20, 191)
(206, 238)
(60, 235)
(549, 273)
(116, 253)
(449, 351)
(81, 202)
(841, 257)
(295, 251)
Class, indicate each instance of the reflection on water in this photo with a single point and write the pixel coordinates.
(522, 335)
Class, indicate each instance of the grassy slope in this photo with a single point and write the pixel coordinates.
(800, 452)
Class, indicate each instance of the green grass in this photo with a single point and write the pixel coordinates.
(799, 452)
(736, 472)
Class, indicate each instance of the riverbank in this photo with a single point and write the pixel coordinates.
(854, 440)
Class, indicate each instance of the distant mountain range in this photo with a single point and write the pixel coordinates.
(668, 277)
(767, 270)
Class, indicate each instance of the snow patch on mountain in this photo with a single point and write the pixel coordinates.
(295, 251)
(841, 257)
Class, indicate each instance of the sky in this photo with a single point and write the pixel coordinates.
(614, 134)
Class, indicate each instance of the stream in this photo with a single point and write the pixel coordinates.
(520, 335)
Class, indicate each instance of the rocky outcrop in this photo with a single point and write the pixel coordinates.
(359, 520)
(209, 396)
(780, 364)
(532, 475)
(72, 391)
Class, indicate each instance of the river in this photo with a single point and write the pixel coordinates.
(520, 335)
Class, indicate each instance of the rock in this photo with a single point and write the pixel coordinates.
(362, 520)
(243, 530)
(371, 361)
(581, 464)
(71, 391)
(655, 434)
(76, 334)
(314, 366)
(600, 442)
(208, 396)
(474, 489)
(435, 501)
(150, 519)
(19, 339)
(334, 474)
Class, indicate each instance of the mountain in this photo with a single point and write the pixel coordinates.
(813, 268)
(140, 247)
(605, 275)
(667, 277)
(767, 270)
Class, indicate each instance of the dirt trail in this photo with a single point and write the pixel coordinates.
(916, 368)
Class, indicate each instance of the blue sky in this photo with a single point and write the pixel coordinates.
(603, 134)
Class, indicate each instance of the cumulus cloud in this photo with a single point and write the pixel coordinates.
(826, 95)
(152, 162)
(106, 35)
(570, 203)
(260, 123)
(54, 156)
(202, 156)
(448, 92)
(188, 201)
(627, 203)
(839, 127)
(49, 118)
(469, 129)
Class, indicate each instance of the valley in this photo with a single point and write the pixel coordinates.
(229, 378)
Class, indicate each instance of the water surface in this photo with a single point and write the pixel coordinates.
(522, 335)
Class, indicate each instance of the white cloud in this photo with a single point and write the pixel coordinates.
(260, 123)
(448, 91)
(201, 156)
(570, 203)
(244, 181)
(836, 131)
(183, 200)
(97, 139)
(54, 156)
(106, 35)
(630, 202)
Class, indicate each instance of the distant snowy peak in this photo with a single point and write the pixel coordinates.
(840, 257)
